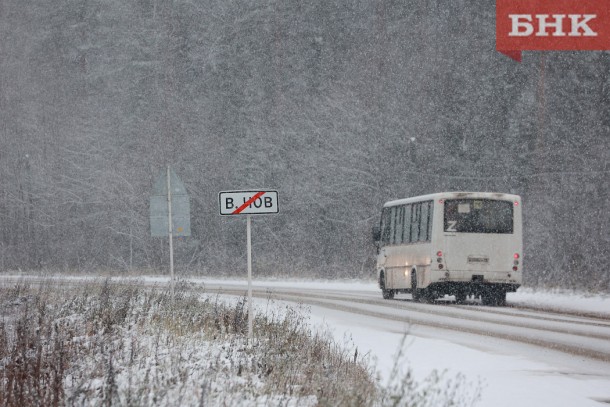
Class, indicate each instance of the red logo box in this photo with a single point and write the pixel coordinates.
(558, 25)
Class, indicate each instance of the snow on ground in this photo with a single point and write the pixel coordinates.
(562, 300)
(509, 374)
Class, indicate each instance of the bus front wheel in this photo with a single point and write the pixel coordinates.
(387, 294)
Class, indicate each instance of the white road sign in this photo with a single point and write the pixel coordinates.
(248, 202)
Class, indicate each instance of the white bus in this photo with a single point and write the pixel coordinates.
(455, 243)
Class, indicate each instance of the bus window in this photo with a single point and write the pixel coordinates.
(385, 226)
(431, 213)
(407, 225)
(392, 224)
(400, 210)
(423, 229)
(478, 216)
(415, 215)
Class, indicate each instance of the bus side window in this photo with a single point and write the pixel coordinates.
(385, 226)
(400, 212)
(430, 214)
(423, 228)
(392, 224)
(415, 214)
(407, 225)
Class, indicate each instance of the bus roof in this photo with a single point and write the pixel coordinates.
(455, 195)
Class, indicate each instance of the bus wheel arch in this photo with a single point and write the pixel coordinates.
(381, 279)
(426, 295)
(387, 294)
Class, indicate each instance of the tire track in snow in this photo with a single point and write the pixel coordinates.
(585, 344)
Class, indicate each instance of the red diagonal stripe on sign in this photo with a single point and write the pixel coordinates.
(248, 202)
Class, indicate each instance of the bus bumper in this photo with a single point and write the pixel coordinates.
(474, 283)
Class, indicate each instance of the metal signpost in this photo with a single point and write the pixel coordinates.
(247, 203)
(170, 213)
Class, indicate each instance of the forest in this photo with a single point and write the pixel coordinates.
(338, 105)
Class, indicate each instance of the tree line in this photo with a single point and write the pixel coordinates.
(338, 105)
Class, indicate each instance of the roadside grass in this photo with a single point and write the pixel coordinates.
(106, 344)
(103, 344)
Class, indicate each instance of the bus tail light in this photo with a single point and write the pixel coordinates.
(516, 261)
(516, 256)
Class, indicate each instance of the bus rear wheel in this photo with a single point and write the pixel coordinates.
(386, 294)
(420, 294)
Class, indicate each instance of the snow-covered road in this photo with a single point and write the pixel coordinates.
(537, 352)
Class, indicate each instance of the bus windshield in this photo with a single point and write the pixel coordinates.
(478, 216)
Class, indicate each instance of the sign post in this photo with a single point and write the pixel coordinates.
(170, 233)
(170, 213)
(247, 203)
(249, 251)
